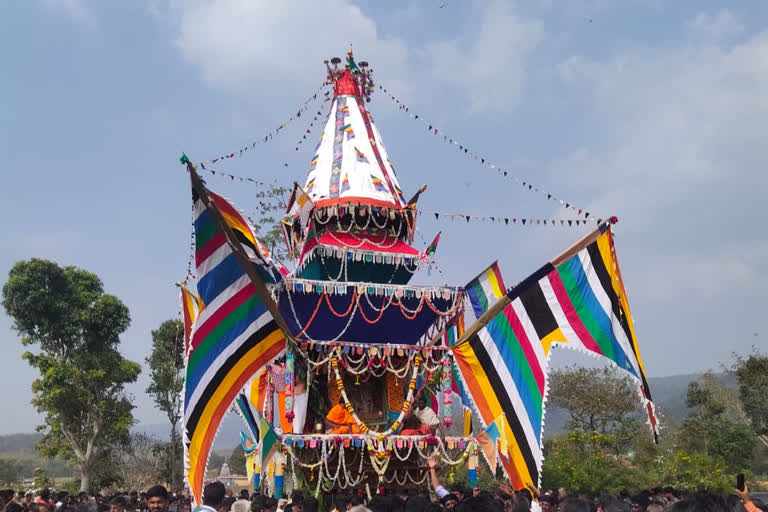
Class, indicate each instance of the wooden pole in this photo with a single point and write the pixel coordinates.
(503, 302)
(237, 248)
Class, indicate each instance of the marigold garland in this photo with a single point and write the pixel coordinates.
(403, 411)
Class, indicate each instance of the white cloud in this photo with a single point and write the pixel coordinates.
(76, 9)
(699, 277)
(679, 154)
(489, 68)
(678, 117)
(716, 26)
(241, 44)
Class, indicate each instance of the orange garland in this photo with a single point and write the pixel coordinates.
(351, 304)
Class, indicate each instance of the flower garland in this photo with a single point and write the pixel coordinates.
(324, 472)
(403, 411)
(380, 458)
(289, 369)
(447, 392)
(407, 478)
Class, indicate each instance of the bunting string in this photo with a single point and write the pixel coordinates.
(307, 133)
(471, 153)
(272, 133)
(512, 221)
(235, 177)
(452, 216)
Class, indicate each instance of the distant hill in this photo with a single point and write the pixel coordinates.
(668, 393)
(19, 443)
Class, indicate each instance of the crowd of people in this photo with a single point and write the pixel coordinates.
(457, 498)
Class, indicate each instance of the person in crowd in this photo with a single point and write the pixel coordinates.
(117, 504)
(440, 491)
(213, 497)
(311, 504)
(573, 504)
(297, 501)
(157, 499)
(548, 503)
(749, 504)
(340, 419)
(354, 501)
(243, 503)
(449, 501)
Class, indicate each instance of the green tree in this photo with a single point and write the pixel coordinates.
(266, 222)
(166, 373)
(712, 426)
(585, 463)
(752, 374)
(598, 400)
(237, 461)
(694, 472)
(81, 389)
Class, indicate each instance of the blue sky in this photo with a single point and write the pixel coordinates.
(651, 110)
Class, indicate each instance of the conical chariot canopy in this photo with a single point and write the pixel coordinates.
(350, 164)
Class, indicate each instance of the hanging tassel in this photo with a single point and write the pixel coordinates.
(289, 379)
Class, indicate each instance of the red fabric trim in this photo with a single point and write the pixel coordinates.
(367, 122)
(352, 201)
(348, 241)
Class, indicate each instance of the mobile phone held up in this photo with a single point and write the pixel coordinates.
(740, 481)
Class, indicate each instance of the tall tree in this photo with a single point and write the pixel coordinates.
(266, 223)
(713, 425)
(81, 390)
(166, 372)
(752, 373)
(237, 461)
(597, 400)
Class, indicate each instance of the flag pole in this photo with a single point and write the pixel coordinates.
(234, 244)
(503, 302)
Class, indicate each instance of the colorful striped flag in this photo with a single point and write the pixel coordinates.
(248, 444)
(578, 301)
(485, 289)
(191, 306)
(378, 184)
(426, 255)
(234, 336)
(492, 440)
(247, 414)
(360, 156)
(299, 205)
(267, 442)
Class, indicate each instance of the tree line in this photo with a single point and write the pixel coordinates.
(608, 448)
